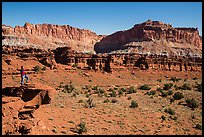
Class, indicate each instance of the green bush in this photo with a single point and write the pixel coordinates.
(175, 79)
(113, 93)
(167, 86)
(89, 103)
(133, 104)
(106, 101)
(145, 87)
(192, 103)
(185, 86)
(131, 90)
(44, 68)
(178, 96)
(198, 126)
(152, 92)
(120, 92)
(169, 110)
(82, 128)
(163, 93)
(170, 92)
(69, 88)
(163, 117)
(37, 68)
(199, 87)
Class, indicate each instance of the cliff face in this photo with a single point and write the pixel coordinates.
(52, 36)
(150, 31)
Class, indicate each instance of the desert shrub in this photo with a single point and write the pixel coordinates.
(194, 78)
(167, 86)
(37, 68)
(170, 92)
(87, 95)
(145, 87)
(89, 103)
(174, 118)
(163, 117)
(133, 104)
(176, 87)
(198, 126)
(74, 65)
(113, 93)
(164, 93)
(192, 103)
(80, 101)
(114, 100)
(175, 79)
(81, 128)
(95, 87)
(185, 86)
(120, 92)
(172, 100)
(169, 110)
(178, 95)
(69, 88)
(131, 90)
(44, 68)
(199, 87)
(159, 89)
(106, 101)
(129, 98)
(152, 92)
(159, 80)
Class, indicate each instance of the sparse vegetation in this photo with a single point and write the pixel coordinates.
(152, 92)
(159, 80)
(131, 90)
(163, 117)
(175, 79)
(113, 93)
(133, 104)
(170, 92)
(69, 88)
(198, 126)
(145, 87)
(106, 101)
(178, 95)
(81, 128)
(167, 86)
(192, 103)
(169, 110)
(194, 78)
(37, 68)
(89, 103)
(44, 68)
(185, 86)
(199, 87)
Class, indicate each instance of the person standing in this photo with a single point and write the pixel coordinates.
(23, 75)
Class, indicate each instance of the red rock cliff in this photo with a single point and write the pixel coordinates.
(147, 32)
(53, 36)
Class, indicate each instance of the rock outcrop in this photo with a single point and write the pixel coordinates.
(152, 35)
(48, 36)
(18, 105)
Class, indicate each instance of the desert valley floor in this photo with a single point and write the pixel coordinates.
(94, 103)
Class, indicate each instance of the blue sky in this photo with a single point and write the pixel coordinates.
(103, 17)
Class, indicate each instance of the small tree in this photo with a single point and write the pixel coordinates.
(192, 103)
(178, 96)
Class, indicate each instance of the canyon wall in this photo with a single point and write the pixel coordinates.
(153, 32)
(48, 36)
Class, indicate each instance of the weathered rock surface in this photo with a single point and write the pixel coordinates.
(18, 104)
(48, 36)
(152, 37)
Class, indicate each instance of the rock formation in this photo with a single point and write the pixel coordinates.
(153, 37)
(18, 105)
(48, 36)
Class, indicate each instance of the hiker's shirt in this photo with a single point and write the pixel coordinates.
(22, 72)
